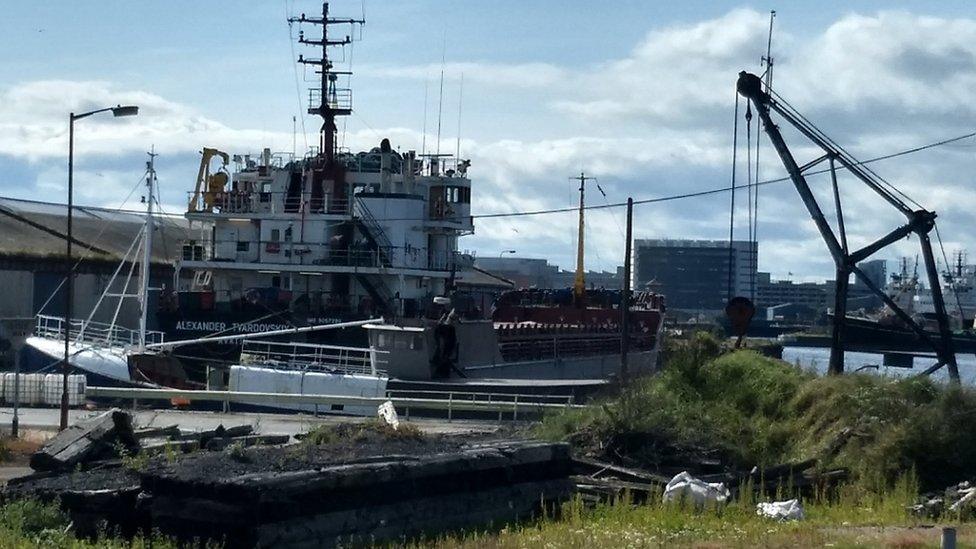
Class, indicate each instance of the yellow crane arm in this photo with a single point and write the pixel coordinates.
(204, 174)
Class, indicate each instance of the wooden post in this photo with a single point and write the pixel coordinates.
(625, 295)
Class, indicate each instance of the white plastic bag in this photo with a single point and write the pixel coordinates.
(695, 490)
(388, 413)
(781, 510)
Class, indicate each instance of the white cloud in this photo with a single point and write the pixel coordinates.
(655, 121)
(34, 122)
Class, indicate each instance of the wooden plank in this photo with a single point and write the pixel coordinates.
(217, 444)
(85, 440)
(170, 431)
(596, 468)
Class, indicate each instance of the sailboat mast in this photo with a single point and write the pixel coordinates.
(147, 249)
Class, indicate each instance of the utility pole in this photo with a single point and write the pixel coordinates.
(625, 296)
(16, 331)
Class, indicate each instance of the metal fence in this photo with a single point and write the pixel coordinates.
(445, 401)
(95, 333)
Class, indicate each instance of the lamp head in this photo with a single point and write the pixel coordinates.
(128, 110)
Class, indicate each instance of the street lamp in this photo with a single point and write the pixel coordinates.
(118, 110)
(503, 252)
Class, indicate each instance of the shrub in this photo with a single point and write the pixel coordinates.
(753, 410)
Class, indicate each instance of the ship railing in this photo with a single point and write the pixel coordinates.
(475, 396)
(256, 202)
(556, 346)
(338, 99)
(308, 357)
(359, 254)
(482, 401)
(93, 333)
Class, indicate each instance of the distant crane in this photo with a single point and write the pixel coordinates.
(919, 221)
(579, 282)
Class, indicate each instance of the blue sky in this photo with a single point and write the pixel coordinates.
(638, 94)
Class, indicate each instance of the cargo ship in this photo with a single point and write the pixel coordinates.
(281, 241)
(345, 266)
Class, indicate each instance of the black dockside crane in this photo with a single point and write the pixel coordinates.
(919, 221)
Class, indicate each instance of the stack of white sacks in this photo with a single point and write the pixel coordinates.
(42, 389)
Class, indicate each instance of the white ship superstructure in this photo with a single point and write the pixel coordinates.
(377, 234)
(327, 237)
(959, 286)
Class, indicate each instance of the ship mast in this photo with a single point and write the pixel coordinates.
(147, 249)
(328, 100)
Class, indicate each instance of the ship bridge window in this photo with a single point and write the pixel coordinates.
(192, 252)
(275, 235)
(243, 245)
(451, 194)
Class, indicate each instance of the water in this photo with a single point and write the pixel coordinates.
(817, 359)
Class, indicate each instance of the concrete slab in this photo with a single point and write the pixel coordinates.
(47, 419)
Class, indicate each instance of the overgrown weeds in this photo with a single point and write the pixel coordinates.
(750, 410)
(30, 523)
(858, 517)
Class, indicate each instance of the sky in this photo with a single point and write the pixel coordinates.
(638, 94)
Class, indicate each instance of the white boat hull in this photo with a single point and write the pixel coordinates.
(109, 362)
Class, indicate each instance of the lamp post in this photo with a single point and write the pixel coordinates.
(503, 252)
(119, 110)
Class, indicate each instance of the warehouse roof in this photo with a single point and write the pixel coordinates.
(39, 229)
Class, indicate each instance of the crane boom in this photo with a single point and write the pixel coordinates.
(918, 221)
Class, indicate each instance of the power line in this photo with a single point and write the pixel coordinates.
(722, 189)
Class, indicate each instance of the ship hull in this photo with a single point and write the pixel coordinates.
(870, 336)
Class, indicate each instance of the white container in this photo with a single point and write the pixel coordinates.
(33, 388)
(8, 388)
(293, 382)
(76, 389)
(51, 390)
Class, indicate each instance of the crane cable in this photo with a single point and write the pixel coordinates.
(752, 188)
(735, 149)
(707, 192)
(827, 139)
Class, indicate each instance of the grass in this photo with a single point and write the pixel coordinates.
(855, 516)
(355, 432)
(29, 523)
(852, 521)
(747, 410)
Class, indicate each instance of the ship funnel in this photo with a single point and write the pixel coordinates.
(408, 167)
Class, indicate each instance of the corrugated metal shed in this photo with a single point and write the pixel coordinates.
(38, 229)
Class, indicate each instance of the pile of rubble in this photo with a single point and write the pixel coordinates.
(111, 436)
(956, 500)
